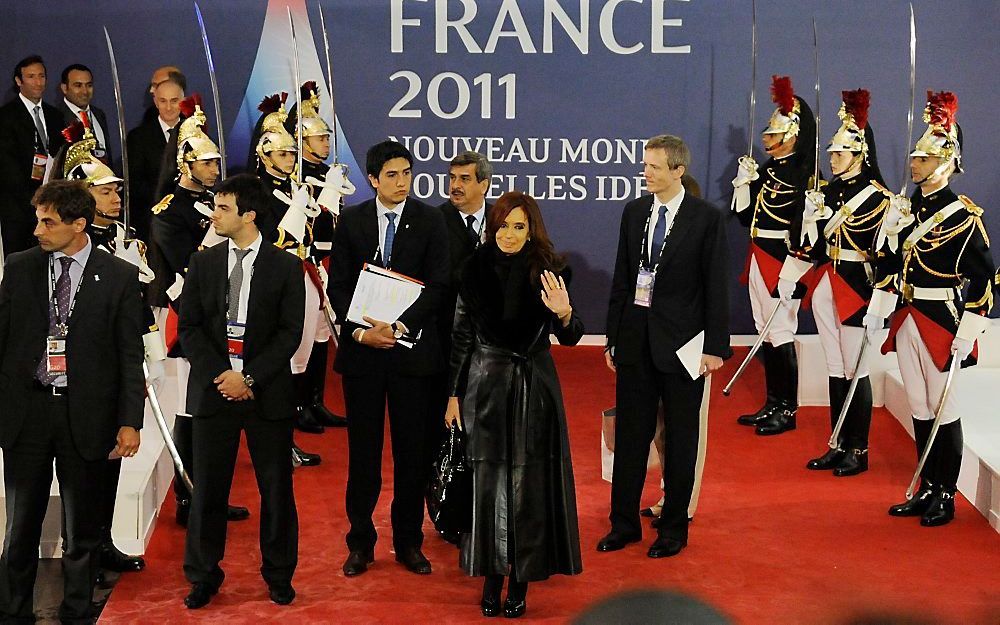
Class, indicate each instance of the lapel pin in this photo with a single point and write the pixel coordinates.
(97, 278)
(406, 227)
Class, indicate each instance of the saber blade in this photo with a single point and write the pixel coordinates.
(215, 92)
(834, 441)
(753, 75)
(161, 424)
(955, 364)
(329, 82)
(121, 128)
(816, 112)
(298, 92)
(913, 94)
(753, 351)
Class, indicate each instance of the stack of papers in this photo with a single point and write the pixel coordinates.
(383, 295)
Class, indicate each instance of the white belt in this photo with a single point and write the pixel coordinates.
(937, 294)
(760, 233)
(851, 256)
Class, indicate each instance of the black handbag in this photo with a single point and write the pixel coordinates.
(450, 500)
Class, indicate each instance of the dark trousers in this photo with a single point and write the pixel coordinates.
(27, 477)
(409, 398)
(185, 449)
(639, 390)
(216, 444)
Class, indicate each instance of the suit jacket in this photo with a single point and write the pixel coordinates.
(460, 247)
(145, 144)
(690, 293)
(273, 328)
(17, 151)
(104, 348)
(420, 251)
(69, 117)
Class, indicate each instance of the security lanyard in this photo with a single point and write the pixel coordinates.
(645, 241)
(61, 326)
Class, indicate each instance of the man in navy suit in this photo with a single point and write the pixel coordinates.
(399, 233)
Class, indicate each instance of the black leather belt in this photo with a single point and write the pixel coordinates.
(55, 391)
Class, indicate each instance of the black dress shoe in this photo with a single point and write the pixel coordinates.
(614, 542)
(756, 417)
(183, 512)
(514, 608)
(649, 513)
(779, 421)
(655, 523)
(665, 547)
(322, 415)
(357, 563)
(414, 561)
(853, 463)
(490, 607)
(281, 594)
(304, 458)
(112, 559)
(492, 587)
(829, 460)
(199, 596)
(237, 513)
(941, 510)
(916, 506)
(305, 422)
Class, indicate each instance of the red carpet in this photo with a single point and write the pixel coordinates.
(771, 542)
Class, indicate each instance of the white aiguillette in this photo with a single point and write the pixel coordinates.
(690, 355)
(384, 295)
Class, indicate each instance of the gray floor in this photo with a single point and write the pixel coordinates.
(48, 591)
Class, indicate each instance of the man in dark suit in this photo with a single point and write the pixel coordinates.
(71, 368)
(77, 85)
(240, 322)
(146, 144)
(409, 237)
(30, 137)
(669, 285)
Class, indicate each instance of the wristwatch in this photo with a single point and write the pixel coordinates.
(248, 380)
(397, 331)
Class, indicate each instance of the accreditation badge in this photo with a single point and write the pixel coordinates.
(38, 166)
(234, 337)
(55, 355)
(644, 287)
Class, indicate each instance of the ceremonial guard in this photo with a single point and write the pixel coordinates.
(767, 200)
(929, 249)
(839, 229)
(288, 227)
(181, 225)
(80, 161)
(328, 185)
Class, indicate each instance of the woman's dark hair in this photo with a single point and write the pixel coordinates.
(541, 254)
(69, 198)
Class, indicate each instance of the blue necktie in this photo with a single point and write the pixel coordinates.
(659, 231)
(390, 234)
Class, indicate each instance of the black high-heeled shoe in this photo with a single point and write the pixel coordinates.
(515, 605)
(490, 603)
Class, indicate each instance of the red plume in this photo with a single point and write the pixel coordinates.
(73, 132)
(856, 103)
(782, 93)
(308, 88)
(270, 104)
(944, 106)
(189, 103)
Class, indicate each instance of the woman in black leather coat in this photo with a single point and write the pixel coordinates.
(504, 384)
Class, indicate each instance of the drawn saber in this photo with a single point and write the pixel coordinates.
(215, 93)
(913, 95)
(816, 112)
(161, 424)
(329, 81)
(753, 350)
(955, 364)
(753, 75)
(121, 129)
(834, 441)
(298, 93)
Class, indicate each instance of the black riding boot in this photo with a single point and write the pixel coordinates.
(304, 420)
(783, 418)
(771, 376)
(856, 428)
(316, 374)
(832, 457)
(921, 499)
(947, 455)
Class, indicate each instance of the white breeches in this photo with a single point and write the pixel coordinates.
(841, 343)
(314, 328)
(921, 378)
(785, 323)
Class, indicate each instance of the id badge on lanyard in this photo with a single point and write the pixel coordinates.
(55, 355)
(38, 166)
(234, 336)
(644, 287)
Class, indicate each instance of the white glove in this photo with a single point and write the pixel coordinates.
(899, 209)
(815, 207)
(873, 325)
(334, 186)
(746, 173)
(130, 252)
(301, 207)
(961, 348)
(157, 373)
(786, 288)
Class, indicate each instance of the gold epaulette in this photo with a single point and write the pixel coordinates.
(971, 206)
(163, 204)
(883, 190)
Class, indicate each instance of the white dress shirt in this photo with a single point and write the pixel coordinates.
(165, 127)
(673, 205)
(383, 223)
(248, 262)
(480, 217)
(94, 124)
(28, 104)
(75, 276)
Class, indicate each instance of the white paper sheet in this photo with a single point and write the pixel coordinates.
(382, 295)
(690, 355)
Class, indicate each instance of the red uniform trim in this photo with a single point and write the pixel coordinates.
(937, 339)
(170, 328)
(768, 265)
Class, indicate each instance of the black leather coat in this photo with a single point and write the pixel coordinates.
(524, 519)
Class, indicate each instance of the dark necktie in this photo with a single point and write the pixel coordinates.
(236, 284)
(659, 231)
(390, 234)
(470, 221)
(40, 129)
(61, 295)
